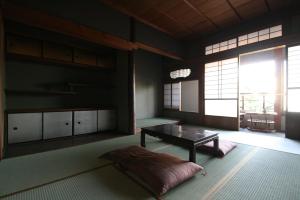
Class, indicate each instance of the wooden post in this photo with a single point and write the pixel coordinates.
(131, 80)
(2, 57)
(278, 107)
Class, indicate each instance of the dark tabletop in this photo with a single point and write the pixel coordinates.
(186, 132)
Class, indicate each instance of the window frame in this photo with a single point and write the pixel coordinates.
(219, 86)
(288, 88)
(171, 96)
(256, 36)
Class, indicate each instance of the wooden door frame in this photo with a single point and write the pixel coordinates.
(288, 135)
(2, 68)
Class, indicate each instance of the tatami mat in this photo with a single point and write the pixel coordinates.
(104, 183)
(23, 172)
(247, 172)
(269, 175)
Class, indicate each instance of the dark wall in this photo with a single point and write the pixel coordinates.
(94, 14)
(28, 76)
(153, 37)
(121, 92)
(148, 84)
(90, 13)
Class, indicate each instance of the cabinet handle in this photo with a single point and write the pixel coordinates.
(67, 124)
(15, 128)
(78, 122)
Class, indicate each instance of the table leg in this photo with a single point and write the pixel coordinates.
(193, 154)
(216, 146)
(143, 139)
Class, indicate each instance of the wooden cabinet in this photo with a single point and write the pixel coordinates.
(106, 120)
(24, 46)
(57, 52)
(85, 57)
(85, 122)
(50, 52)
(23, 127)
(44, 124)
(57, 124)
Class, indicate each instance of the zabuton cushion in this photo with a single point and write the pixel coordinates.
(158, 171)
(224, 147)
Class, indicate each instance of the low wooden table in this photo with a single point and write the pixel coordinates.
(182, 135)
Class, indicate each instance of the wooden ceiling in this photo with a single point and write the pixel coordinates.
(185, 18)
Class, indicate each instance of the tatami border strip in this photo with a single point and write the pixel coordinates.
(54, 181)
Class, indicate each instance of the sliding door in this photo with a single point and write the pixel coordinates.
(221, 93)
(293, 93)
(172, 93)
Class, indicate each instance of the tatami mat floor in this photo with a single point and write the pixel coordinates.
(77, 173)
(274, 141)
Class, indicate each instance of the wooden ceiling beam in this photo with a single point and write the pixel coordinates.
(234, 10)
(268, 5)
(157, 7)
(158, 51)
(41, 20)
(44, 21)
(136, 17)
(176, 22)
(200, 12)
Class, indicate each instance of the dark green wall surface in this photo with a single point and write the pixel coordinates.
(121, 92)
(152, 37)
(27, 76)
(148, 85)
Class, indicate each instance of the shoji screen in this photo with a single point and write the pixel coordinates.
(221, 88)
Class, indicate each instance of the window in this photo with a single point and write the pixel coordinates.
(167, 96)
(190, 96)
(222, 46)
(221, 88)
(258, 90)
(293, 82)
(172, 95)
(181, 73)
(176, 87)
(265, 34)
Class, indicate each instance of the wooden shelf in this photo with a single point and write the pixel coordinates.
(35, 110)
(90, 85)
(14, 56)
(38, 93)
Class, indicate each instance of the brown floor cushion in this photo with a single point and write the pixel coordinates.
(158, 171)
(224, 147)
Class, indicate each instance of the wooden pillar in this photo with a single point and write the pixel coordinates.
(131, 80)
(2, 61)
(279, 58)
